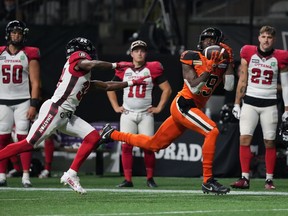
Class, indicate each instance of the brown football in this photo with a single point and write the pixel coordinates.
(208, 51)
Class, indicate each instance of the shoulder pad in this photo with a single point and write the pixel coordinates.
(32, 52)
(155, 68)
(247, 50)
(155, 65)
(2, 48)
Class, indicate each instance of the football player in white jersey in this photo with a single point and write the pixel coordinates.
(256, 90)
(57, 113)
(20, 70)
(137, 112)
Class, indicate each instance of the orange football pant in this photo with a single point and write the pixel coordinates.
(173, 127)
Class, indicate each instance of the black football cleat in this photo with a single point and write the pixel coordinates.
(151, 183)
(105, 134)
(125, 183)
(3, 183)
(212, 186)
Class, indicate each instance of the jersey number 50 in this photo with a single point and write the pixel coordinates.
(13, 75)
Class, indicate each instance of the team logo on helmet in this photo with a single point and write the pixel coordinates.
(81, 44)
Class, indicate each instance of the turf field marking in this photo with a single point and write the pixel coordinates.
(269, 193)
(183, 212)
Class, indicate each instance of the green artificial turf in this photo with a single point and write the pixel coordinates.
(174, 196)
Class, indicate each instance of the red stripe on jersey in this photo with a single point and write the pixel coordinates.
(68, 90)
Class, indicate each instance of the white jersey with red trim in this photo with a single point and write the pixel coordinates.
(14, 75)
(263, 71)
(72, 85)
(139, 98)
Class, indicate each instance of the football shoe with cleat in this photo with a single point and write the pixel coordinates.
(105, 134)
(73, 182)
(125, 183)
(151, 183)
(212, 186)
(44, 174)
(269, 185)
(241, 183)
(26, 183)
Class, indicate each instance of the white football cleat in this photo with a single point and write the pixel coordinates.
(44, 174)
(73, 182)
(26, 182)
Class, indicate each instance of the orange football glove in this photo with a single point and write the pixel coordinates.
(216, 59)
(229, 51)
(204, 67)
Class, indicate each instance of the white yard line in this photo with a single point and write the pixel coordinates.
(269, 193)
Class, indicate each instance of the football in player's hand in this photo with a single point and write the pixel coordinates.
(207, 52)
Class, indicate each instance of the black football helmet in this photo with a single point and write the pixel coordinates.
(212, 32)
(81, 44)
(283, 132)
(226, 114)
(16, 25)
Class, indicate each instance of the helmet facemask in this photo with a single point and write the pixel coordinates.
(16, 25)
(210, 32)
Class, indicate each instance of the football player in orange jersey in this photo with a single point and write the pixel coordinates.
(201, 77)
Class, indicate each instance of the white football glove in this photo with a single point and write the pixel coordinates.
(236, 111)
(285, 116)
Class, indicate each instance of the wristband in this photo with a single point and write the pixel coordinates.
(114, 65)
(130, 83)
(34, 102)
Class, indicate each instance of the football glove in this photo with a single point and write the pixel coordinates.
(229, 51)
(139, 81)
(236, 111)
(285, 116)
(204, 67)
(216, 59)
(120, 65)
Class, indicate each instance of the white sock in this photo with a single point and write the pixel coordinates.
(246, 175)
(269, 176)
(2, 176)
(25, 175)
(72, 172)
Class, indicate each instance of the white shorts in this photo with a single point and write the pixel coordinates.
(51, 118)
(14, 114)
(250, 116)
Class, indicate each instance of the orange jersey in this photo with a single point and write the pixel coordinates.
(200, 98)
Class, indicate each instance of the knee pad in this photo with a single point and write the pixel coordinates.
(213, 132)
(22, 127)
(5, 128)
